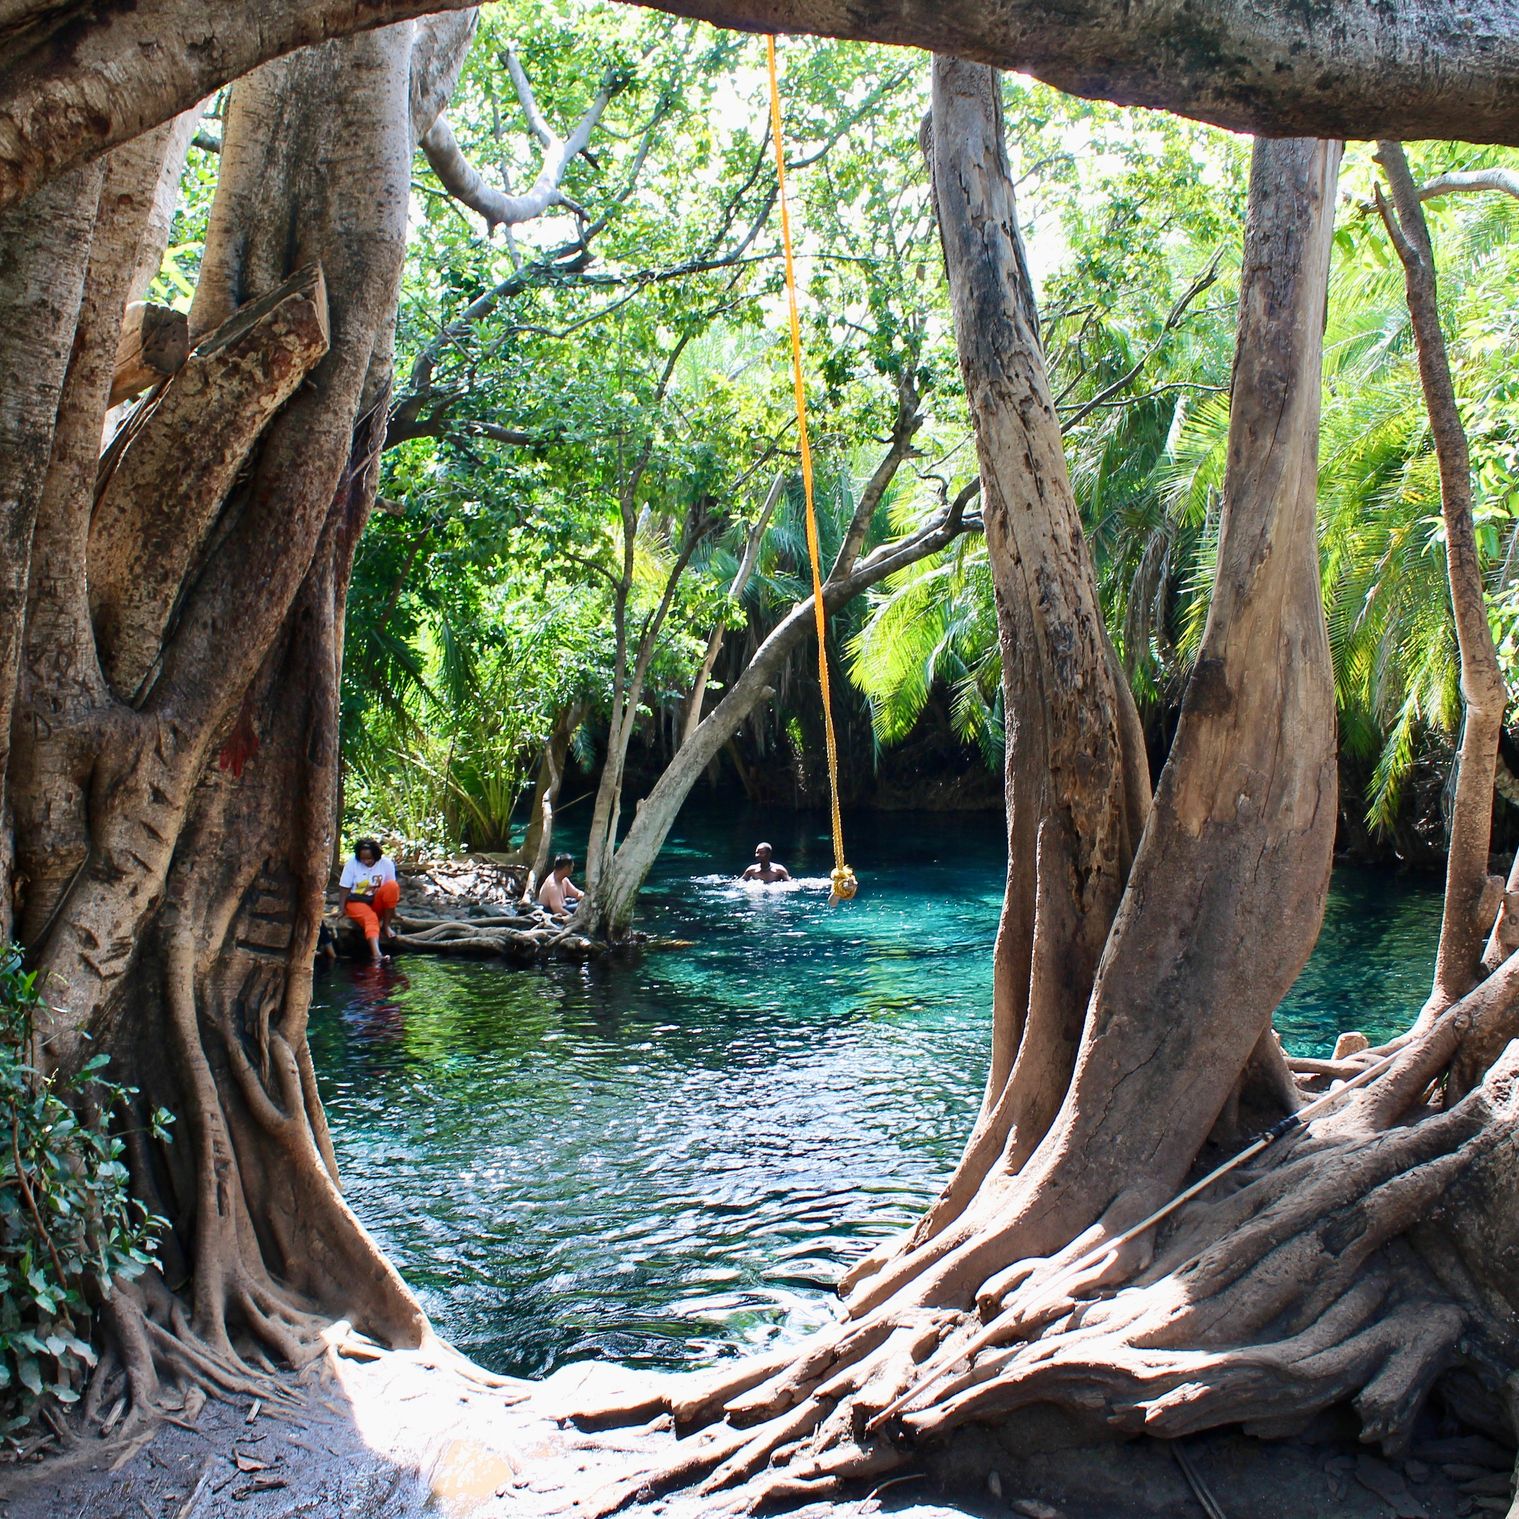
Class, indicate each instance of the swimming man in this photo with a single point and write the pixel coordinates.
(764, 869)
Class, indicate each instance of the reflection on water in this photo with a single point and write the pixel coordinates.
(1372, 967)
(664, 1163)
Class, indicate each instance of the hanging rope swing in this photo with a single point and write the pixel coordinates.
(841, 877)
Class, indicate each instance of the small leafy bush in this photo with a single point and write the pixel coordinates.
(69, 1230)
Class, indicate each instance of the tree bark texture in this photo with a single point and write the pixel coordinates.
(154, 343)
(44, 251)
(80, 78)
(175, 769)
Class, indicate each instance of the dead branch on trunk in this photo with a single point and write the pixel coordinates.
(153, 345)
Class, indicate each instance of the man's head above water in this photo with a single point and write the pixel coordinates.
(764, 868)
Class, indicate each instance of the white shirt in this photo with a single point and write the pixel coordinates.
(364, 880)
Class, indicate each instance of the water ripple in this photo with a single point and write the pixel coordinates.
(670, 1162)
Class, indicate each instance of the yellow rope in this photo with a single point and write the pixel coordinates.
(842, 877)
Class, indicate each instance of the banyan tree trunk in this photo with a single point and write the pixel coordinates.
(1134, 992)
(171, 787)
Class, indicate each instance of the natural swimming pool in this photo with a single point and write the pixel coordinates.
(666, 1162)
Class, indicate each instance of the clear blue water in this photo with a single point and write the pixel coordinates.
(667, 1162)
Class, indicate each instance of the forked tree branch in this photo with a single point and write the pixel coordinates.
(465, 182)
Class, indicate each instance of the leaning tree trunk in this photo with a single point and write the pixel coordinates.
(691, 717)
(612, 894)
(1315, 1281)
(609, 904)
(1470, 905)
(175, 767)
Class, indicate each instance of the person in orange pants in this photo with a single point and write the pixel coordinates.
(370, 893)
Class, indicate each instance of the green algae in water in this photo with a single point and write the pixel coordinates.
(671, 1162)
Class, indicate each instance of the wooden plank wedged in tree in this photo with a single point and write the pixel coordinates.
(163, 482)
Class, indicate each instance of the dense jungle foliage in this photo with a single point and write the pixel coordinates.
(627, 348)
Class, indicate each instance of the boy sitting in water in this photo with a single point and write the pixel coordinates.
(558, 893)
(764, 869)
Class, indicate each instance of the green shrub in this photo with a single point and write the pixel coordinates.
(69, 1230)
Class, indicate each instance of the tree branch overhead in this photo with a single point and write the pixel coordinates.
(80, 78)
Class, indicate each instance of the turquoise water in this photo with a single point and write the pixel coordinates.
(667, 1162)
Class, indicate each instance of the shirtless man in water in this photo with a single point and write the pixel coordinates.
(764, 869)
(558, 893)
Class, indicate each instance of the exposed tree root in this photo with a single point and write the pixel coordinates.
(1305, 1287)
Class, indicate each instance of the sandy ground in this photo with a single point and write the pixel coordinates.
(388, 1436)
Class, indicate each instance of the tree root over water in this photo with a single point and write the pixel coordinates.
(1333, 1273)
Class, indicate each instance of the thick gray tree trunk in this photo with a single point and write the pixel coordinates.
(44, 252)
(172, 787)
